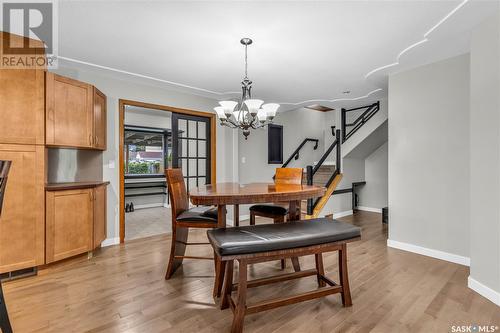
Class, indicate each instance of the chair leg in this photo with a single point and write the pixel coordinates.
(220, 267)
(177, 249)
(228, 285)
(239, 311)
(320, 268)
(4, 315)
(344, 280)
(252, 218)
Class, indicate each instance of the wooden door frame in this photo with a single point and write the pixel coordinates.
(121, 133)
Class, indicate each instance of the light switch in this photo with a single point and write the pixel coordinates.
(243, 160)
(111, 164)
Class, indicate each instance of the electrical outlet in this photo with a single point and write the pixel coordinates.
(243, 160)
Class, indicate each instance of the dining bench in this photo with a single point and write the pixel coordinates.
(261, 243)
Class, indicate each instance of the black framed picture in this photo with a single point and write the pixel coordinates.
(274, 144)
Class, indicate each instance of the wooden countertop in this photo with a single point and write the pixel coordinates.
(73, 185)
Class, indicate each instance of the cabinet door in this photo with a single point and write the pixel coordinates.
(69, 220)
(99, 215)
(22, 108)
(22, 223)
(69, 116)
(99, 120)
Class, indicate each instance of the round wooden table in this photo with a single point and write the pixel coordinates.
(222, 194)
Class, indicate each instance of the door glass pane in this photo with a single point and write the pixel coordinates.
(182, 127)
(201, 181)
(201, 167)
(192, 168)
(183, 165)
(192, 148)
(192, 128)
(202, 148)
(183, 148)
(192, 183)
(202, 126)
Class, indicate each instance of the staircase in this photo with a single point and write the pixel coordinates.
(328, 175)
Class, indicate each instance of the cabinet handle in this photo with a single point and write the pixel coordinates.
(96, 140)
(90, 139)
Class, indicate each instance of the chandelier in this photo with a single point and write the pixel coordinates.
(246, 113)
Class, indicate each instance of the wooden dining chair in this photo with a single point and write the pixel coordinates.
(4, 316)
(184, 218)
(278, 211)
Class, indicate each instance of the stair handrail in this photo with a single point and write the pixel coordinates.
(370, 111)
(296, 152)
(310, 170)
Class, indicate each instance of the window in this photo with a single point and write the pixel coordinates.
(147, 150)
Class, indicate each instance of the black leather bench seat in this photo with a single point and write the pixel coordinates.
(281, 236)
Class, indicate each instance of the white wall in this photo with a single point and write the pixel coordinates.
(429, 156)
(148, 118)
(485, 159)
(131, 89)
(375, 193)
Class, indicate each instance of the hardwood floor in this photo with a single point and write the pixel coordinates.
(122, 289)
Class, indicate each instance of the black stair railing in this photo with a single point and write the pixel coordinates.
(349, 128)
(310, 170)
(296, 153)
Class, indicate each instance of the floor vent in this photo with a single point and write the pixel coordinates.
(19, 274)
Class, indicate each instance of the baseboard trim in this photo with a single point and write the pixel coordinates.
(342, 214)
(153, 205)
(110, 241)
(454, 258)
(369, 209)
(483, 290)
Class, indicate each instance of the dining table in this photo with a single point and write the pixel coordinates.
(235, 194)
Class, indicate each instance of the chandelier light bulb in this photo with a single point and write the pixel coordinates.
(253, 106)
(220, 112)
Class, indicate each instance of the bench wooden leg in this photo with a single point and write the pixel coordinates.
(177, 250)
(344, 280)
(240, 308)
(320, 268)
(220, 267)
(228, 285)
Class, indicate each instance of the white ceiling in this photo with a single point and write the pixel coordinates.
(303, 52)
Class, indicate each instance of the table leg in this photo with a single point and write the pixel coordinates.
(293, 216)
(236, 217)
(221, 216)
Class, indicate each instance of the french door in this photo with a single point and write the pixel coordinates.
(191, 148)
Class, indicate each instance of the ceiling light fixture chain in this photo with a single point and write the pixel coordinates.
(247, 113)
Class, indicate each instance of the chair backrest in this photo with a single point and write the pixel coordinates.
(177, 191)
(291, 176)
(4, 171)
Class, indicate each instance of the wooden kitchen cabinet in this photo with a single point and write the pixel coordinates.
(100, 203)
(22, 224)
(99, 115)
(22, 106)
(75, 221)
(69, 223)
(75, 113)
